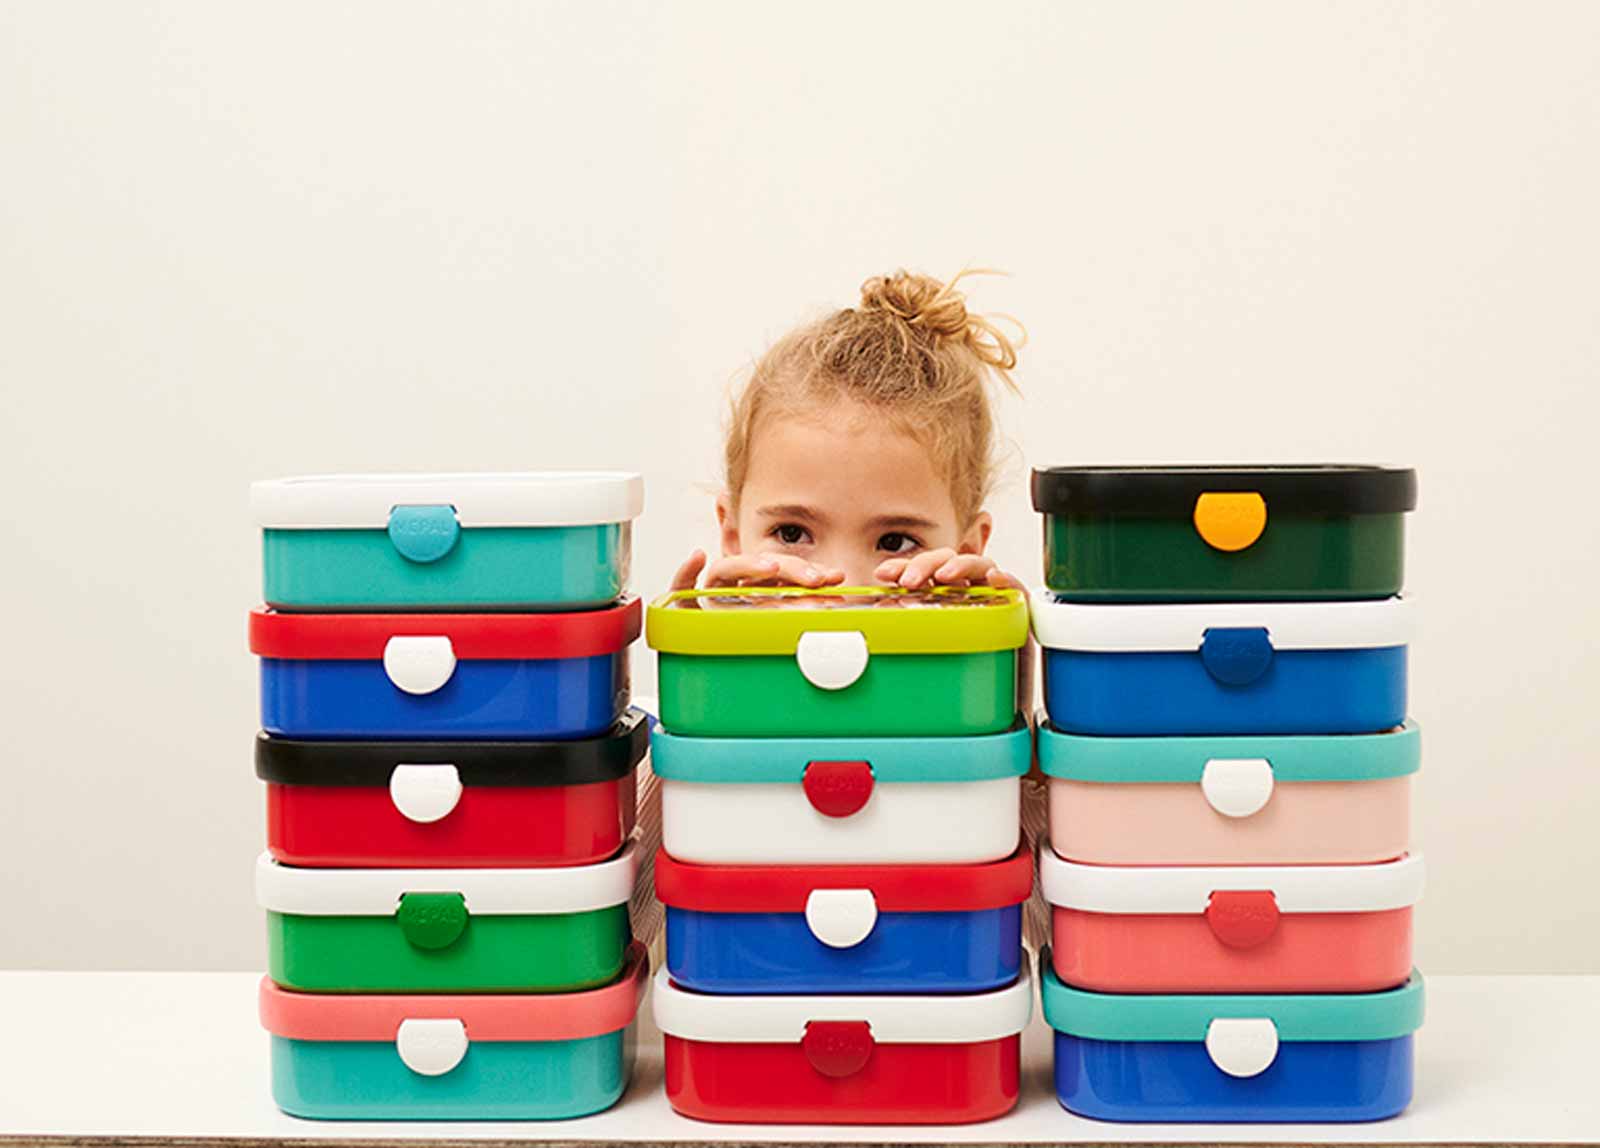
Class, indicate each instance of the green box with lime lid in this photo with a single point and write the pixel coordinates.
(1224, 533)
(446, 930)
(838, 662)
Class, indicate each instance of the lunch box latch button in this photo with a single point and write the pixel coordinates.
(832, 659)
(1243, 918)
(838, 788)
(841, 918)
(1242, 1046)
(1230, 520)
(431, 1047)
(432, 921)
(837, 1048)
(419, 664)
(425, 793)
(1237, 787)
(1236, 655)
(423, 534)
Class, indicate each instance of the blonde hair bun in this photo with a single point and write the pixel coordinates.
(939, 310)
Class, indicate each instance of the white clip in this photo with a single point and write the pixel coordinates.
(425, 793)
(841, 918)
(431, 1047)
(417, 664)
(1237, 787)
(832, 659)
(1242, 1046)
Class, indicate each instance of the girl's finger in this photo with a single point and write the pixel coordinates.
(920, 568)
(689, 572)
(963, 570)
(889, 570)
(1000, 580)
(741, 570)
(792, 570)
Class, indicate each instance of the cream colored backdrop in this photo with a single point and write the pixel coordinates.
(239, 241)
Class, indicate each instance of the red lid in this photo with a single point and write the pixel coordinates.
(895, 888)
(351, 636)
(486, 1016)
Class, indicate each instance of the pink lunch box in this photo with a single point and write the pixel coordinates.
(1244, 929)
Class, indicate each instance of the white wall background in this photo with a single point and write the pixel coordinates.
(240, 241)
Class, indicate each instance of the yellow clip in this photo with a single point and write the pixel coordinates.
(1230, 520)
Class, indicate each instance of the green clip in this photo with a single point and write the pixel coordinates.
(432, 920)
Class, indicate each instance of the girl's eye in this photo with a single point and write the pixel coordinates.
(897, 543)
(789, 534)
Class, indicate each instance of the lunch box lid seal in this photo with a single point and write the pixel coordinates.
(1180, 627)
(1138, 760)
(962, 1018)
(1188, 889)
(529, 499)
(983, 757)
(1173, 490)
(350, 637)
(491, 892)
(486, 1016)
(673, 629)
(496, 764)
(894, 888)
(1383, 1015)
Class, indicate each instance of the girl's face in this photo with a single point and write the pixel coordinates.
(846, 490)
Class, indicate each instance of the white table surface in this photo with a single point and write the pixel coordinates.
(141, 1056)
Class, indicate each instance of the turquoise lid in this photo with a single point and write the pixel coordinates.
(1338, 757)
(784, 760)
(1297, 1017)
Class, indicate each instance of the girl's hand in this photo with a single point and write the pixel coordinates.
(944, 567)
(754, 570)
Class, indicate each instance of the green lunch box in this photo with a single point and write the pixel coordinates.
(535, 542)
(1217, 533)
(446, 930)
(842, 662)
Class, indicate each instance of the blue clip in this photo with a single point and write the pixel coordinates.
(423, 533)
(1236, 655)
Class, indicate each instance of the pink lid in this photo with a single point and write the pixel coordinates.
(486, 1016)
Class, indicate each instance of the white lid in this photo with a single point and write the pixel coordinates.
(1181, 626)
(547, 498)
(377, 892)
(1186, 889)
(953, 1019)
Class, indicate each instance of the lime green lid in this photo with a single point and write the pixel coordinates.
(1173, 1017)
(771, 620)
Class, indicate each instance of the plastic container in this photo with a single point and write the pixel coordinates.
(443, 676)
(539, 541)
(842, 1059)
(844, 929)
(1243, 929)
(846, 662)
(1231, 1059)
(1228, 668)
(874, 801)
(1230, 800)
(453, 1057)
(440, 804)
(1218, 533)
(446, 930)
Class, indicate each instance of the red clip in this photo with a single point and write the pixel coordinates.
(1243, 919)
(837, 1047)
(838, 788)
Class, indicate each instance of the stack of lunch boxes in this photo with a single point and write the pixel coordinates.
(840, 776)
(1229, 765)
(449, 759)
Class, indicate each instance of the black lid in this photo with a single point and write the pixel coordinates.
(1173, 489)
(490, 763)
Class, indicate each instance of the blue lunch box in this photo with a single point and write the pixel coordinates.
(1223, 668)
(546, 676)
(786, 929)
(535, 542)
(1233, 1058)
(478, 1057)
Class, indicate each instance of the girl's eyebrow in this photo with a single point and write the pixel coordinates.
(900, 521)
(791, 510)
